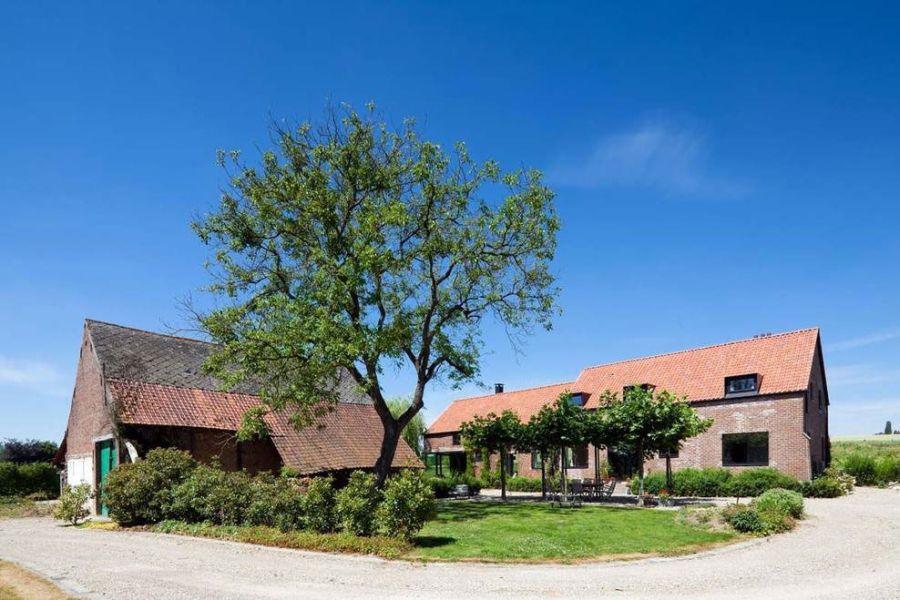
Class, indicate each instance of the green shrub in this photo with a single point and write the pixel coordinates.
(211, 494)
(846, 480)
(29, 478)
(318, 504)
(355, 504)
(861, 467)
(524, 484)
(824, 486)
(754, 482)
(743, 518)
(887, 470)
(707, 482)
(440, 486)
(72, 505)
(141, 492)
(275, 503)
(653, 483)
(775, 521)
(780, 500)
(407, 503)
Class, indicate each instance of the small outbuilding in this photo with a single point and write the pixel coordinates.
(137, 390)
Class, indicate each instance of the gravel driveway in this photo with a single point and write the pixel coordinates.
(848, 548)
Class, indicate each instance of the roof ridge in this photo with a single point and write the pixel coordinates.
(147, 331)
(698, 348)
(528, 389)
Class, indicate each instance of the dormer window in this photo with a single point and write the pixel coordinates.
(742, 385)
(576, 399)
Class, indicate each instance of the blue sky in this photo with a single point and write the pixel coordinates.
(720, 172)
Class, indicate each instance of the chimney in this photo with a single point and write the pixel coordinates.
(498, 388)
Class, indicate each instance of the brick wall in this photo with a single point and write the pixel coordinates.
(89, 416)
(781, 416)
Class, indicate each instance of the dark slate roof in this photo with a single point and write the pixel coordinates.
(137, 355)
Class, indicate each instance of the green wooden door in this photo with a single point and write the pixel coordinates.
(106, 461)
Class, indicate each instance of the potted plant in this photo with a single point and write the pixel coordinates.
(665, 498)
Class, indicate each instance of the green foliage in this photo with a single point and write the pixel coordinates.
(318, 504)
(354, 246)
(382, 546)
(743, 518)
(407, 503)
(356, 503)
(706, 482)
(525, 484)
(494, 434)
(753, 482)
(788, 502)
(414, 430)
(861, 466)
(824, 486)
(887, 470)
(29, 479)
(72, 505)
(442, 486)
(27, 451)
(141, 492)
(653, 483)
(275, 502)
(211, 494)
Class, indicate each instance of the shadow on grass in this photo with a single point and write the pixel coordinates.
(432, 541)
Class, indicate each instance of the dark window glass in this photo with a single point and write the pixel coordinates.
(745, 449)
(741, 384)
(577, 457)
(455, 439)
(510, 464)
(576, 400)
(535, 460)
(672, 454)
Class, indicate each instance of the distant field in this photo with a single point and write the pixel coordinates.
(872, 445)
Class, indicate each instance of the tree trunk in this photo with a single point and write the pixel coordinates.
(503, 474)
(563, 470)
(388, 449)
(669, 485)
(640, 452)
(543, 478)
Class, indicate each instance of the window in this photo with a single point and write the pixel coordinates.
(454, 439)
(745, 449)
(741, 385)
(671, 454)
(535, 460)
(577, 457)
(576, 399)
(476, 456)
(510, 464)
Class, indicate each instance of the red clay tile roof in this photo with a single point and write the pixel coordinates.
(349, 437)
(523, 402)
(783, 362)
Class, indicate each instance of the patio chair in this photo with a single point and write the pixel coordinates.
(607, 490)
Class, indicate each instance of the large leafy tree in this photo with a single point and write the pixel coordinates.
(493, 433)
(651, 423)
(355, 247)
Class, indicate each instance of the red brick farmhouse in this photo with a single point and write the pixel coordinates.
(768, 398)
(136, 390)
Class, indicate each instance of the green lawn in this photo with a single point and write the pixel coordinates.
(535, 531)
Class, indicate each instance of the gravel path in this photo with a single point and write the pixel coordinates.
(848, 548)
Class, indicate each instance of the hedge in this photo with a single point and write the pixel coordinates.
(37, 479)
(714, 481)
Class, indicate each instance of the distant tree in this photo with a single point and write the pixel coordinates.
(356, 247)
(888, 428)
(415, 429)
(652, 424)
(27, 451)
(494, 434)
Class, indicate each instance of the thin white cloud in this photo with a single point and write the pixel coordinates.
(659, 154)
(866, 340)
(30, 375)
(861, 374)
